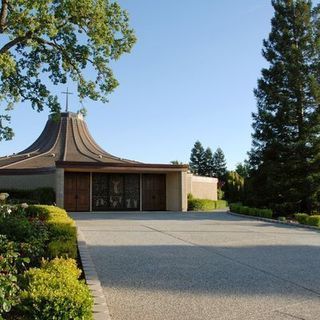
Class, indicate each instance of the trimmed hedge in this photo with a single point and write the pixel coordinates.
(301, 217)
(256, 212)
(205, 204)
(34, 196)
(304, 218)
(62, 248)
(54, 292)
(62, 230)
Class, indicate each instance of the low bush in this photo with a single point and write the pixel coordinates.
(314, 220)
(39, 195)
(205, 204)
(221, 204)
(54, 292)
(256, 212)
(302, 217)
(62, 248)
(10, 265)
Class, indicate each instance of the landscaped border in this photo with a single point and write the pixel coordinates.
(291, 224)
(100, 308)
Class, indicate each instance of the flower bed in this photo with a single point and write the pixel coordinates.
(39, 278)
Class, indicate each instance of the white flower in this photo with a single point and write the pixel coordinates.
(9, 211)
(24, 205)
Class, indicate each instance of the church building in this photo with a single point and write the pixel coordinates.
(87, 178)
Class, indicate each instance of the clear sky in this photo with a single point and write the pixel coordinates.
(190, 77)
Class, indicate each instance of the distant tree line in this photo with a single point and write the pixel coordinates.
(205, 163)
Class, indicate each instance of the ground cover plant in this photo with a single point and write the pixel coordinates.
(39, 277)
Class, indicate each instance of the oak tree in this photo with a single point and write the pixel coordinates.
(45, 42)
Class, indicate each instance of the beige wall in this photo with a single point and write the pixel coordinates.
(202, 187)
(28, 182)
(176, 191)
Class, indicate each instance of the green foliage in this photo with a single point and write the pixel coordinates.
(176, 162)
(35, 196)
(263, 213)
(37, 211)
(54, 292)
(286, 139)
(220, 194)
(56, 40)
(62, 231)
(234, 187)
(243, 169)
(205, 204)
(62, 248)
(302, 217)
(10, 264)
(219, 164)
(314, 221)
(197, 160)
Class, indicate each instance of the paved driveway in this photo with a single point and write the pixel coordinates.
(173, 266)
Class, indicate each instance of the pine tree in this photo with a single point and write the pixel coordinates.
(219, 164)
(197, 161)
(208, 163)
(286, 147)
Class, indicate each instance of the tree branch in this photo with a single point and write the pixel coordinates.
(15, 41)
(3, 15)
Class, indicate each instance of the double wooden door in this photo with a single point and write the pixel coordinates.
(77, 191)
(154, 192)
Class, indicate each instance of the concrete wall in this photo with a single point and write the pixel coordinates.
(202, 187)
(176, 191)
(28, 182)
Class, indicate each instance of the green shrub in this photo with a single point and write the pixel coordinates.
(256, 212)
(190, 196)
(37, 211)
(195, 204)
(302, 218)
(314, 220)
(54, 292)
(10, 264)
(39, 195)
(221, 204)
(62, 248)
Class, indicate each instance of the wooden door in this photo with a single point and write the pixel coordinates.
(77, 191)
(154, 192)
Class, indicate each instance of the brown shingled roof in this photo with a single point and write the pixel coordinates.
(66, 140)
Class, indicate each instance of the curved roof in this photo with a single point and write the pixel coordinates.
(65, 140)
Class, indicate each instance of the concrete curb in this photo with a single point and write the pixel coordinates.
(291, 224)
(100, 307)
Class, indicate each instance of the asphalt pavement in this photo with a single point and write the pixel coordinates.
(196, 266)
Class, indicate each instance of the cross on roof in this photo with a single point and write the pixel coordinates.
(67, 93)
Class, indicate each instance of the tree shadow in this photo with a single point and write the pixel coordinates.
(254, 270)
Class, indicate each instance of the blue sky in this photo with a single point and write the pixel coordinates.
(190, 77)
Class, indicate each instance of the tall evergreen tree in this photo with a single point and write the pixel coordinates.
(197, 160)
(219, 164)
(285, 151)
(243, 169)
(208, 163)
